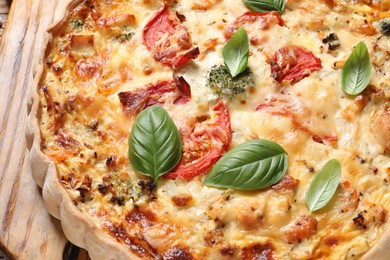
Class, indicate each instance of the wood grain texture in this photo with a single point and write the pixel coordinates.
(4, 9)
(27, 231)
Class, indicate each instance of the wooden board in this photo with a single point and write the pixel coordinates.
(27, 231)
(4, 9)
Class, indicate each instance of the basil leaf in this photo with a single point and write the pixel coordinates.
(266, 5)
(253, 165)
(324, 185)
(236, 52)
(154, 143)
(357, 70)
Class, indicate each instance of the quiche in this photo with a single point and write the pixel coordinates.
(307, 78)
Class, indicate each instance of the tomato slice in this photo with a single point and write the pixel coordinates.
(178, 85)
(293, 63)
(156, 92)
(169, 40)
(137, 100)
(206, 143)
(262, 21)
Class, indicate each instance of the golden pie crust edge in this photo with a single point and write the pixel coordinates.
(78, 228)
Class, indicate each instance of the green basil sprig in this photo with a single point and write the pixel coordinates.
(357, 70)
(266, 5)
(236, 52)
(154, 143)
(323, 186)
(253, 165)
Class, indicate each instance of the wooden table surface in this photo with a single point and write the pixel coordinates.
(4, 9)
(27, 231)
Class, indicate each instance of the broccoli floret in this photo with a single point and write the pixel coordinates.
(220, 80)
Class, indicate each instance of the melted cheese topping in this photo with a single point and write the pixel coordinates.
(99, 52)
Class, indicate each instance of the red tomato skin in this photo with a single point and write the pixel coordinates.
(220, 143)
(224, 122)
(160, 23)
(268, 19)
(293, 63)
(135, 101)
(190, 171)
(166, 22)
(155, 92)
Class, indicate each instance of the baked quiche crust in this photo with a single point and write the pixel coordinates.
(79, 228)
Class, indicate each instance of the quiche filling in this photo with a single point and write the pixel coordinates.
(111, 59)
